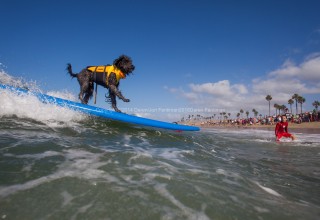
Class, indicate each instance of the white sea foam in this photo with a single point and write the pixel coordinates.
(67, 198)
(7, 79)
(221, 172)
(63, 94)
(266, 136)
(81, 210)
(35, 156)
(261, 210)
(79, 163)
(185, 210)
(268, 190)
(28, 106)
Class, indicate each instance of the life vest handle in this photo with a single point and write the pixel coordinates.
(95, 93)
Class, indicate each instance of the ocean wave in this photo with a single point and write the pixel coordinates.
(29, 106)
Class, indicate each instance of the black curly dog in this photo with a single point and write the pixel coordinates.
(87, 78)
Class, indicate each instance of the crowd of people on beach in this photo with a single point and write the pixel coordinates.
(272, 120)
(266, 120)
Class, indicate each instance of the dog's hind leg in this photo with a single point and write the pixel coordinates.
(86, 98)
(89, 93)
(81, 97)
(84, 90)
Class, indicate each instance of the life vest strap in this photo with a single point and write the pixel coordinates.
(100, 78)
(105, 71)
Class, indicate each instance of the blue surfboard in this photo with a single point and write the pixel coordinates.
(100, 112)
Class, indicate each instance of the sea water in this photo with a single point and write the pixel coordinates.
(59, 164)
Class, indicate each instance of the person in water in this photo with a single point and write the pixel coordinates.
(281, 129)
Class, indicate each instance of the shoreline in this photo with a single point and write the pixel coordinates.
(305, 127)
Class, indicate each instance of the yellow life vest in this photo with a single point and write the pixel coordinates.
(108, 70)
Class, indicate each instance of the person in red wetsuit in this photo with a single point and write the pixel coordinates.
(281, 129)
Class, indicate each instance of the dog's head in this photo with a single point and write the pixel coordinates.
(124, 63)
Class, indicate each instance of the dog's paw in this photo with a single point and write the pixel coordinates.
(126, 100)
(117, 110)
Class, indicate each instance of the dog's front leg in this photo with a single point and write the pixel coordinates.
(113, 100)
(114, 90)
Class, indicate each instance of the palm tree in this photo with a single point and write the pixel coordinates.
(283, 108)
(316, 104)
(268, 98)
(238, 115)
(301, 100)
(290, 102)
(255, 112)
(224, 115)
(247, 113)
(276, 106)
(295, 97)
(241, 111)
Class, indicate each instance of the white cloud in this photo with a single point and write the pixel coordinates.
(281, 83)
(308, 70)
(242, 89)
(287, 86)
(220, 88)
(221, 94)
(190, 95)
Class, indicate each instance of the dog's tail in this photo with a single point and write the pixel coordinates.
(69, 69)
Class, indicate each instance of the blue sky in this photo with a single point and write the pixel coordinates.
(189, 54)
